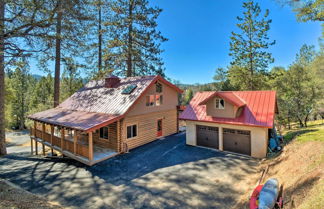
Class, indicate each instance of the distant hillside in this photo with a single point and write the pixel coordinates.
(198, 87)
(36, 76)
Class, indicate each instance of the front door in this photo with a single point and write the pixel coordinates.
(159, 128)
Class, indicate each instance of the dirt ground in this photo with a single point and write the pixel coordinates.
(300, 169)
(13, 197)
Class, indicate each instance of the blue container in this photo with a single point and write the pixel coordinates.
(269, 194)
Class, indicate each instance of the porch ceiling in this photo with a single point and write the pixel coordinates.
(78, 120)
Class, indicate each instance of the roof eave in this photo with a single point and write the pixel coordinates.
(229, 123)
(158, 77)
(215, 94)
(104, 124)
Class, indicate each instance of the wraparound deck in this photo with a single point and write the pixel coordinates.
(72, 143)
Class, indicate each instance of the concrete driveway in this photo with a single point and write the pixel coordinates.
(163, 174)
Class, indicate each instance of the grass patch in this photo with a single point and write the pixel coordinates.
(290, 135)
(314, 132)
(316, 198)
(317, 135)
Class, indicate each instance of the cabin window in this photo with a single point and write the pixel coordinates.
(39, 126)
(48, 129)
(104, 132)
(158, 87)
(154, 100)
(57, 132)
(220, 104)
(158, 100)
(69, 134)
(131, 131)
(150, 100)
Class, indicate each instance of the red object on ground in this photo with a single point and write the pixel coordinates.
(259, 108)
(254, 197)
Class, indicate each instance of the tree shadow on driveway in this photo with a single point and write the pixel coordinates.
(163, 174)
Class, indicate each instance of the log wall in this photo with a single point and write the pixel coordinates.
(147, 127)
(111, 142)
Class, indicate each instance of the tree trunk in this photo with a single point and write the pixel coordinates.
(251, 72)
(22, 110)
(251, 55)
(130, 40)
(23, 103)
(99, 40)
(305, 120)
(58, 55)
(3, 149)
(289, 127)
(300, 123)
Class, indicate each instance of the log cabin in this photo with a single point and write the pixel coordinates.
(108, 117)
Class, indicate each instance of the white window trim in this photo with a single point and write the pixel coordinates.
(131, 124)
(154, 104)
(107, 133)
(219, 105)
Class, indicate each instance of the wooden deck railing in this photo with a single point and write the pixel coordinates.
(82, 147)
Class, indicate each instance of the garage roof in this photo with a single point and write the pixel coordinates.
(259, 109)
(229, 96)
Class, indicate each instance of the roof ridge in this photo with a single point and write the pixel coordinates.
(239, 97)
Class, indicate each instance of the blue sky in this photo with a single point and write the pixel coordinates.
(199, 33)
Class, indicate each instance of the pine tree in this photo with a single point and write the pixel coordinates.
(98, 33)
(222, 83)
(249, 46)
(306, 10)
(72, 21)
(20, 22)
(42, 95)
(134, 44)
(19, 81)
(188, 96)
(71, 79)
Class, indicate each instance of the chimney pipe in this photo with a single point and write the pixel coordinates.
(112, 81)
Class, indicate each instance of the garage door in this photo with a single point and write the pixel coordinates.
(207, 136)
(238, 141)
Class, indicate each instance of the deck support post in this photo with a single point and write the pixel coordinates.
(75, 138)
(90, 146)
(43, 145)
(62, 138)
(52, 134)
(118, 137)
(31, 141)
(36, 143)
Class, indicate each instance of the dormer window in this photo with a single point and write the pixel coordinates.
(220, 104)
(158, 87)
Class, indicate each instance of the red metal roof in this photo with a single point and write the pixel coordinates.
(259, 109)
(229, 96)
(74, 119)
(96, 100)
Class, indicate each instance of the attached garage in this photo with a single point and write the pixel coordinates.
(238, 141)
(207, 136)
